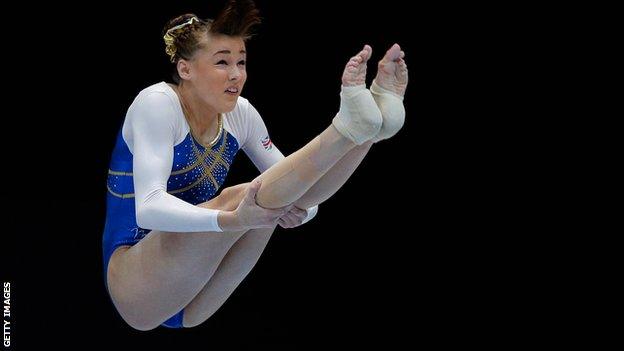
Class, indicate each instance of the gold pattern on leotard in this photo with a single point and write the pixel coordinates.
(197, 161)
(209, 156)
(206, 173)
(123, 196)
(116, 173)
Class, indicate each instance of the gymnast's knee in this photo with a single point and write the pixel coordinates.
(143, 325)
(231, 196)
(134, 316)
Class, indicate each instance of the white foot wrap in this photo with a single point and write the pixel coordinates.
(392, 110)
(359, 118)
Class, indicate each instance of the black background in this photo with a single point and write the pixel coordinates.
(400, 254)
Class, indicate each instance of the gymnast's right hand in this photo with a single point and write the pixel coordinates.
(249, 215)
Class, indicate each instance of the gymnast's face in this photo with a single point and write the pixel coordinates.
(217, 71)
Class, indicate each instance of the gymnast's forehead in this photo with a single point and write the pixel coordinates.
(219, 45)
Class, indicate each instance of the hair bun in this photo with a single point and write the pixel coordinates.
(173, 29)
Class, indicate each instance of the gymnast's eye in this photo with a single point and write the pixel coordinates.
(222, 62)
(242, 62)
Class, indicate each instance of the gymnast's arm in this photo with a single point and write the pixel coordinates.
(262, 152)
(152, 124)
(153, 129)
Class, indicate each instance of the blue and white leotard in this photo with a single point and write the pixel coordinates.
(159, 172)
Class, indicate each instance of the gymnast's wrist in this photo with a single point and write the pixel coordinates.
(229, 221)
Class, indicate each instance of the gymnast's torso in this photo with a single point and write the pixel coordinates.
(197, 171)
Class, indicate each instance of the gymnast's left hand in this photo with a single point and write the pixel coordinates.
(292, 218)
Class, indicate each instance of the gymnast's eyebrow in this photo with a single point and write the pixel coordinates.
(228, 52)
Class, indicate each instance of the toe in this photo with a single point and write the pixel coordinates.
(364, 54)
(353, 62)
(367, 51)
(393, 53)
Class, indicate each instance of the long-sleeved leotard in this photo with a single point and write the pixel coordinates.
(159, 172)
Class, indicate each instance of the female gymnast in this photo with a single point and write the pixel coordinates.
(173, 252)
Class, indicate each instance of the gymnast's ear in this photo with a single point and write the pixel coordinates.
(184, 69)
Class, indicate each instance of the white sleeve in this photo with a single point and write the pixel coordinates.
(310, 213)
(257, 143)
(261, 150)
(152, 123)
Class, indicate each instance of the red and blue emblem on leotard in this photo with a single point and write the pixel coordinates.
(266, 142)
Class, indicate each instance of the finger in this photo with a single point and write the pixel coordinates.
(301, 217)
(289, 221)
(295, 218)
(298, 211)
(298, 220)
(276, 213)
(285, 209)
(285, 217)
(297, 215)
(252, 190)
(289, 217)
(282, 223)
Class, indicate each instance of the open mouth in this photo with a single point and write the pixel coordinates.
(232, 90)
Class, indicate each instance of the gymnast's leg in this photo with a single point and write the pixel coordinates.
(159, 276)
(245, 253)
(358, 121)
(388, 90)
(156, 278)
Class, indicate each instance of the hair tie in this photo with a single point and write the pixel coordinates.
(170, 36)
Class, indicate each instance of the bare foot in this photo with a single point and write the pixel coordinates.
(355, 71)
(359, 118)
(392, 71)
(388, 90)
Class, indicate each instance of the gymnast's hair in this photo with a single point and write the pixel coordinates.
(184, 34)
